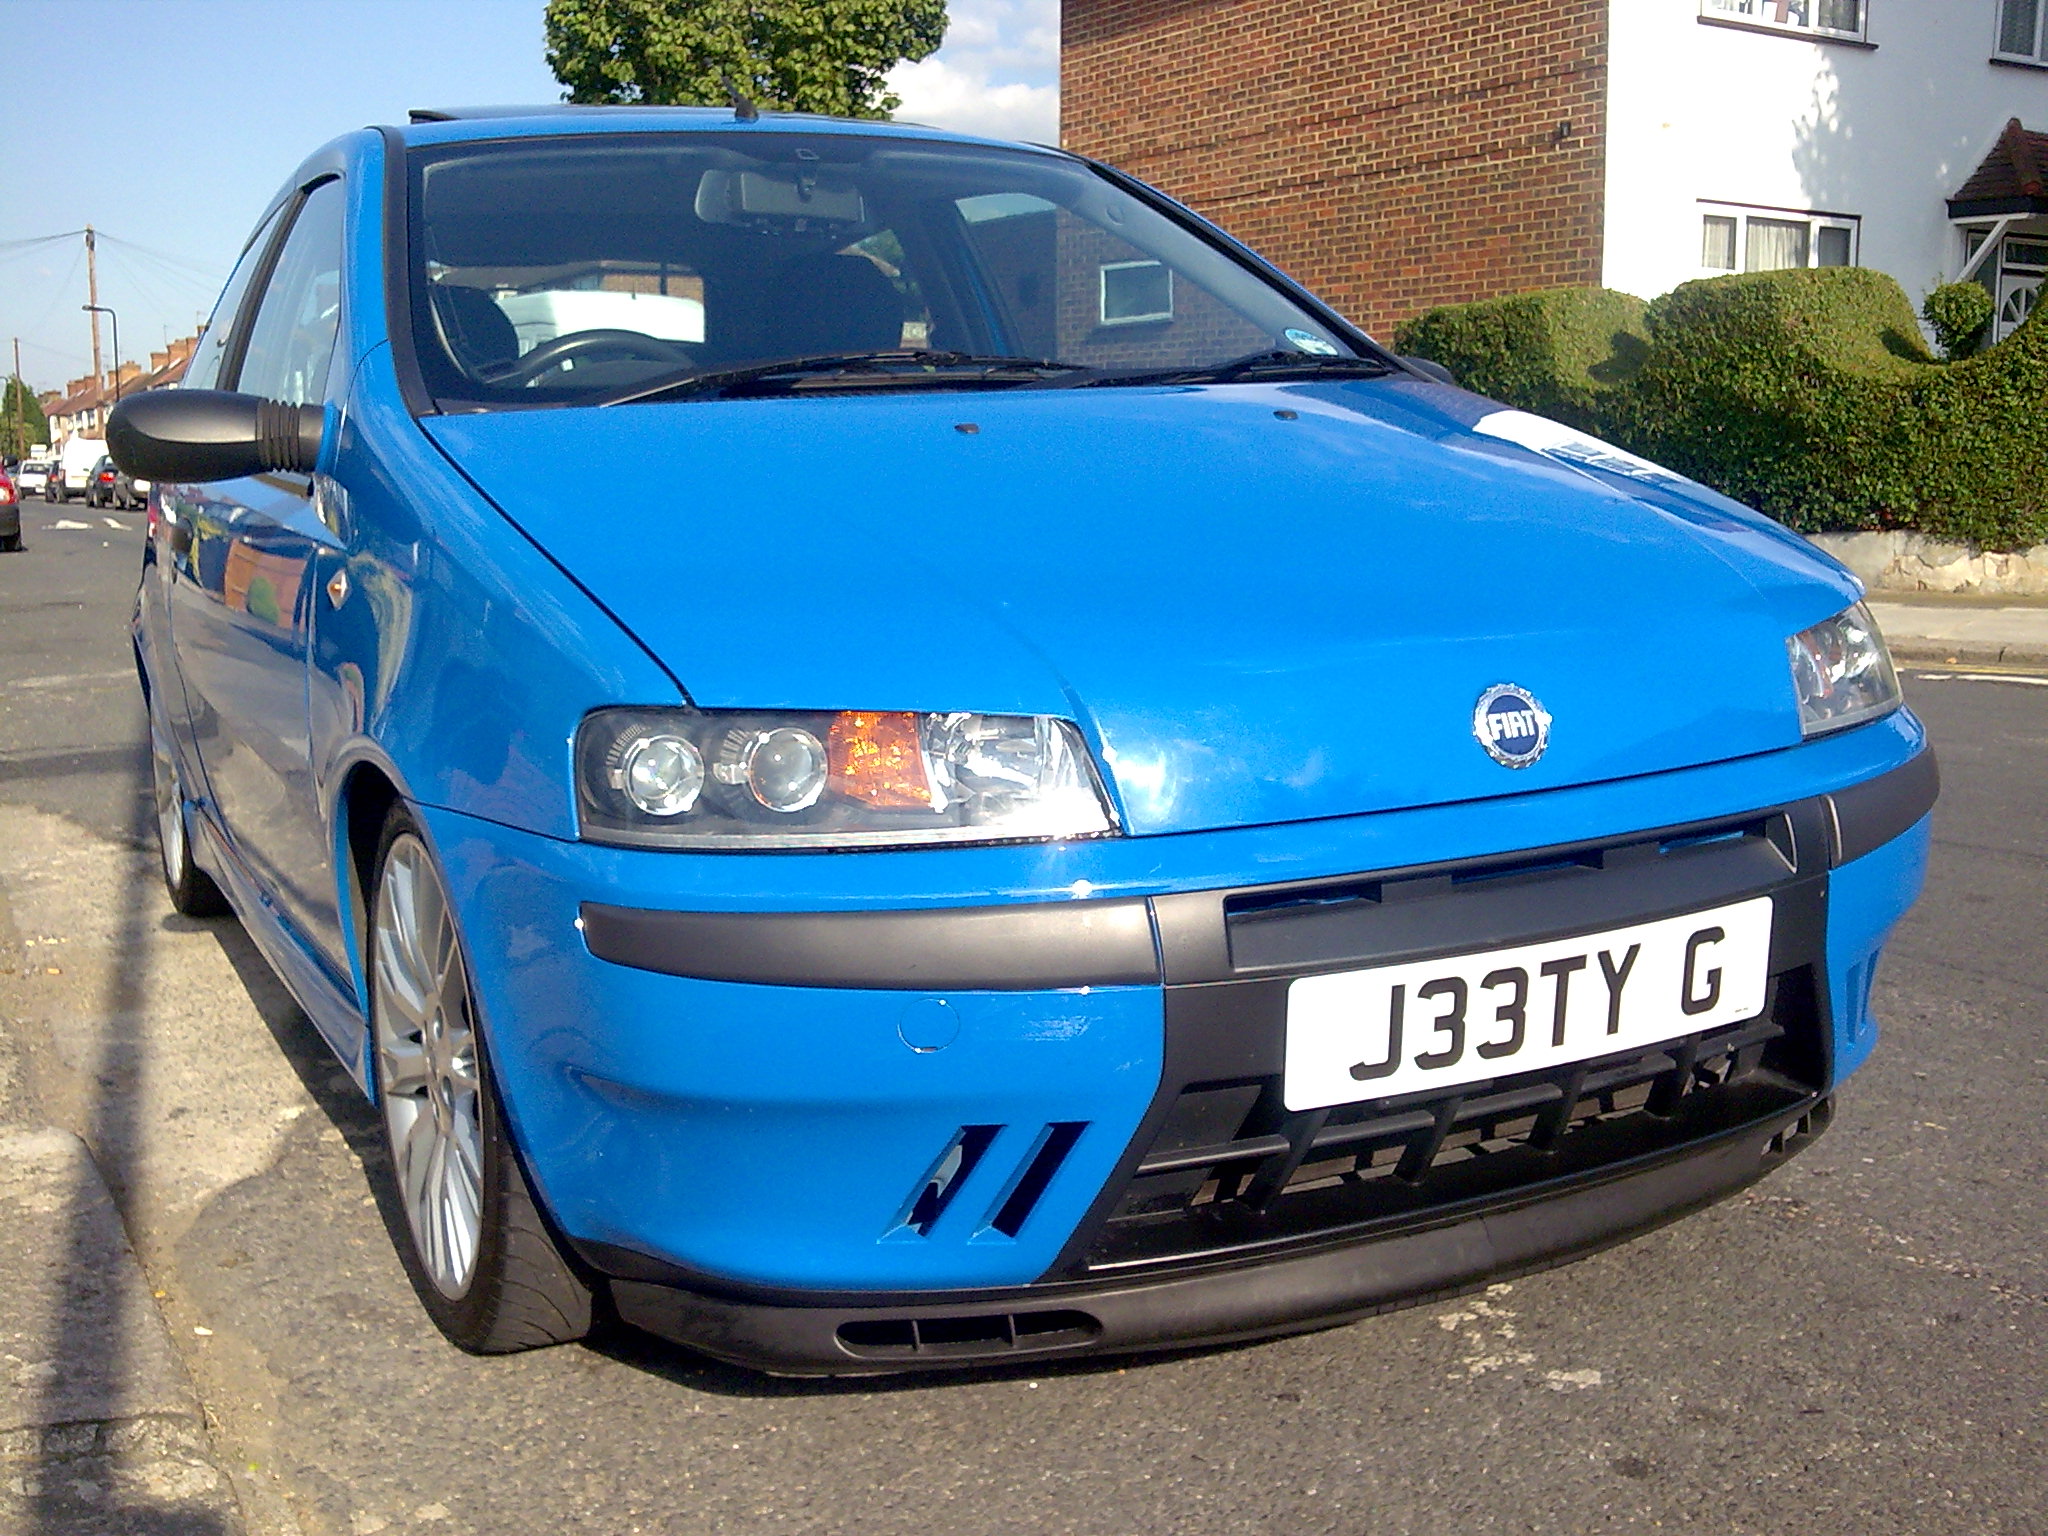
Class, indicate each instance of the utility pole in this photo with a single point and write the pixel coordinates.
(17, 440)
(92, 299)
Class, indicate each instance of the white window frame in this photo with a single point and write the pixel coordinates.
(1815, 222)
(1102, 293)
(1764, 14)
(2040, 53)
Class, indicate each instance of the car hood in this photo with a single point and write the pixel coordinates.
(1262, 602)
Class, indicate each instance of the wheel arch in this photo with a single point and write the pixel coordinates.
(364, 798)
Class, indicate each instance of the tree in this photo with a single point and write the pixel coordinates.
(792, 55)
(21, 419)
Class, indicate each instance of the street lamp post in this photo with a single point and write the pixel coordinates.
(108, 311)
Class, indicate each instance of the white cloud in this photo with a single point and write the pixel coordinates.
(997, 73)
(967, 101)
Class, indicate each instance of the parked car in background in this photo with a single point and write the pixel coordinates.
(101, 485)
(34, 475)
(10, 513)
(78, 461)
(130, 494)
(1047, 795)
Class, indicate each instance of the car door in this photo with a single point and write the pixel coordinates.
(242, 611)
(178, 534)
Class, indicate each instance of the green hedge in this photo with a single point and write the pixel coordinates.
(1959, 314)
(1557, 352)
(1807, 394)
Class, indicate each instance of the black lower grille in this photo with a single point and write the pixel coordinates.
(989, 1335)
(1230, 1169)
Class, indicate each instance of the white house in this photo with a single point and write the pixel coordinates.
(1906, 135)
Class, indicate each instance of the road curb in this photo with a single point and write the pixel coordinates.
(97, 1420)
(1967, 653)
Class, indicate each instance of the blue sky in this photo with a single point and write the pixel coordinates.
(168, 124)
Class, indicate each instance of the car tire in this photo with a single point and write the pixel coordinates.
(192, 890)
(10, 544)
(479, 1252)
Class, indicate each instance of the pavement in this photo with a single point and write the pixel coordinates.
(98, 1421)
(1945, 629)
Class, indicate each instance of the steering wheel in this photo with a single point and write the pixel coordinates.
(552, 354)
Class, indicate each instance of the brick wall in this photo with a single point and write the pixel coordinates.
(1392, 156)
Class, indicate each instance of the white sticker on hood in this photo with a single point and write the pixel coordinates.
(1553, 439)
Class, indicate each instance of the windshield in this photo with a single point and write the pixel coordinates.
(583, 269)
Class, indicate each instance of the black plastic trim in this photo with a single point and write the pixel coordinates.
(1404, 913)
(1224, 1028)
(1870, 814)
(1420, 910)
(1328, 1286)
(209, 434)
(405, 361)
(243, 320)
(985, 949)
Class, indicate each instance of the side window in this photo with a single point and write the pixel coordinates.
(204, 370)
(299, 320)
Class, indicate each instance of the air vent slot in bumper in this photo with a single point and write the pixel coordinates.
(991, 1335)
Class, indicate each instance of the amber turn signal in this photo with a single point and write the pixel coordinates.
(879, 759)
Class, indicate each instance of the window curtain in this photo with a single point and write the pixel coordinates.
(1717, 243)
(1774, 243)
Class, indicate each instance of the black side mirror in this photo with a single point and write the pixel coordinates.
(1429, 368)
(180, 435)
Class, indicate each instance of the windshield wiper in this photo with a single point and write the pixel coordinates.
(908, 365)
(1256, 365)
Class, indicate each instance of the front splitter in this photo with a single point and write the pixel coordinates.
(1116, 1315)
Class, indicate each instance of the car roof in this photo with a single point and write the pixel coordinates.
(447, 125)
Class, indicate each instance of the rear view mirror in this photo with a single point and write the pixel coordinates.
(740, 197)
(184, 435)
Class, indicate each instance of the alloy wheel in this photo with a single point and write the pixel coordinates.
(170, 809)
(427, 1074)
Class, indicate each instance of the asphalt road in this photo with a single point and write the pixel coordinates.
(1858, 1345)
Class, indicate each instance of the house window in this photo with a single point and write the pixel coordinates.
(1135, 291)
(1769, 239)
(1717, 242)
(2023, 30)
(1823, 18)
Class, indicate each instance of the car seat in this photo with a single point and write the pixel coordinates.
(829, 303)
(475, 331)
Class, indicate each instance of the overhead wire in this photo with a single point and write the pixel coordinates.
(10, 245)
(200, 271)
(165, 284)
(58, 292)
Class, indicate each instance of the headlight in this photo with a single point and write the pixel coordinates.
(677, 778)
(1842, 673)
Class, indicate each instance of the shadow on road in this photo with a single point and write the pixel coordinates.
(89, 1478)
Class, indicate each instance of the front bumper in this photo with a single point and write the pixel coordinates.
(760, 1127)
(1316, 1289)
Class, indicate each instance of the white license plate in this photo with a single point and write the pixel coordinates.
(1399, 1029)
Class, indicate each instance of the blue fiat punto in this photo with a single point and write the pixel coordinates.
(1037, 792)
